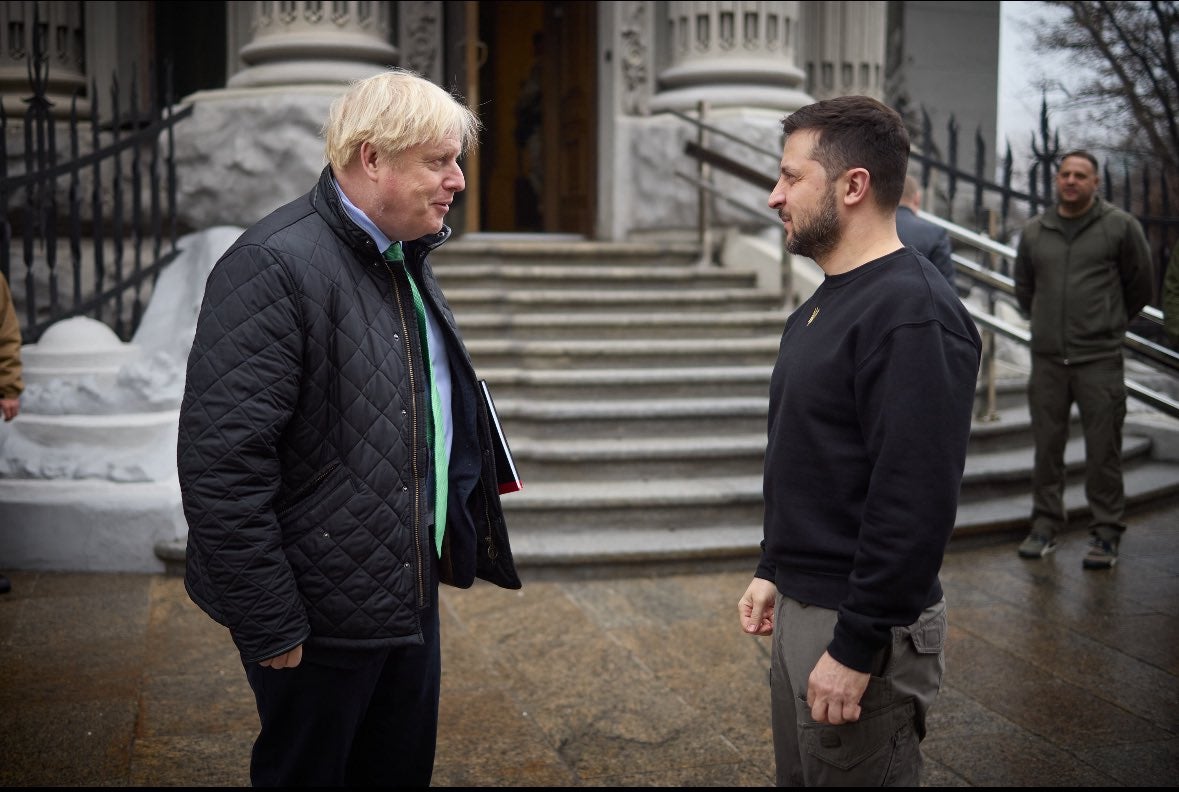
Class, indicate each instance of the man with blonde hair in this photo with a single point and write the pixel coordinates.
(334, 454)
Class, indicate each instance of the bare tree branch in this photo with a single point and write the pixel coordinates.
(1130, 50)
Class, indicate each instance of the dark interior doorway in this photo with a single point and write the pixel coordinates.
(537, 93)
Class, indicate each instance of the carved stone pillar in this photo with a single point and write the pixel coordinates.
(62, 27)
(635, 38)
(731, 53)
(843, 49)
(419, 37)
(295, 43)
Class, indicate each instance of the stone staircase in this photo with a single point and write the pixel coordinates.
(633, 384)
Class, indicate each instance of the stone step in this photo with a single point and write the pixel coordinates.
(699, 416)
(514, 249)
(639, 459)
(464, 301)
(604, 276)
(1009, 472)
(1008, 393)
(1006, 429)
(550, 326)
(654, 459)
(597, 543)
(629, 418)
(665, 381)
(1144, 480)
(631, 382)
(606, 353)
(679, 504)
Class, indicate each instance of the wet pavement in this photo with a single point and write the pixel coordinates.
(1055, 677)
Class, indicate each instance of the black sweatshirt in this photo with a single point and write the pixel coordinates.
(870, 408)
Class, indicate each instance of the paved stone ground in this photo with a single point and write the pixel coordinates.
(1056, 677)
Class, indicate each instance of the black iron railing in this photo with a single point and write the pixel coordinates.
(993, 205)
(95, 255)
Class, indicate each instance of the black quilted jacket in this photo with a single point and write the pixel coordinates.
(302, 452)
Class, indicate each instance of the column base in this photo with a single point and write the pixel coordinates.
(785, 100)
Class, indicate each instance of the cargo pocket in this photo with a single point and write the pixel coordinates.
(868, 752)
(928, 634)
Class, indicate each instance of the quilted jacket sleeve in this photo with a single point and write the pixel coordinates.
(241, 388)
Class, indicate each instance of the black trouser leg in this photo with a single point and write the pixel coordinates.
(350, 717)
(1049, 402)
(1100, 389)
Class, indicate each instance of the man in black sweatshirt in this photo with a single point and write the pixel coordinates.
(870, 407)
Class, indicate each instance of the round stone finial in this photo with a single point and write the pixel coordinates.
(78, 334)
(73, 348)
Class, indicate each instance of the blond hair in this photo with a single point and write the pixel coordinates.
(912, 188)
(394, 110)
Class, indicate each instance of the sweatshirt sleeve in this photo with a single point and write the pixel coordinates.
(918, 393)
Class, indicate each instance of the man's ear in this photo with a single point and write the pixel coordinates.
(856, 183)
(370, 159)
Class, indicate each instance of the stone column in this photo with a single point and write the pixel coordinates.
(738, 57)
(843, 49)
(731, 53)
(295, 43)
(62, 27)
(419, 37)
(254, 145)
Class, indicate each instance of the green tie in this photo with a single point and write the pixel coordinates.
(434, 434)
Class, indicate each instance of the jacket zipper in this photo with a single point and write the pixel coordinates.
(413, 403)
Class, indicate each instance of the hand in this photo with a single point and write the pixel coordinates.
(756, 607)
(833, 691)
(287, 660)
(10, 407)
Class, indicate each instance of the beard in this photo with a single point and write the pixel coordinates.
(816, 236)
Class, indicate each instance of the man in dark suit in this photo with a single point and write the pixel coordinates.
(928, 239)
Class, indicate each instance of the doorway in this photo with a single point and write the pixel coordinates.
(538, 92)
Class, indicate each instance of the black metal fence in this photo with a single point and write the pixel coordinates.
(94, 227)
(1000, 208)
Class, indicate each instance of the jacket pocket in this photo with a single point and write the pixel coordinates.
(313, 504)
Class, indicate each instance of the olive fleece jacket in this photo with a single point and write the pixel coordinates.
(1080, 293)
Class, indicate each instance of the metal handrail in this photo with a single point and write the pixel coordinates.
(1159, 401)
(757, 214)
(989, 279)
(701, 124)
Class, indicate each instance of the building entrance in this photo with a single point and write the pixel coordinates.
(537, 91)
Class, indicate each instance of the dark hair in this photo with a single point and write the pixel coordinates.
(1082, 154)
(858, 132)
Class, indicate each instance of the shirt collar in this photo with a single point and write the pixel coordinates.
(362, 220)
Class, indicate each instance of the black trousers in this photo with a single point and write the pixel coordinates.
(345, 717)
(1098, 389)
